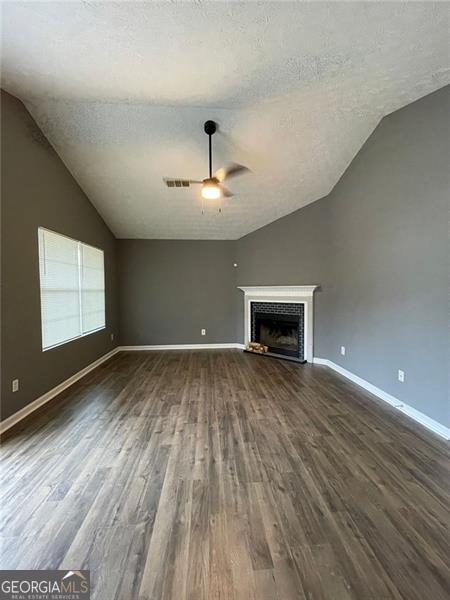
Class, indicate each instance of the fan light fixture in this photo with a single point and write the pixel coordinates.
(211, 189)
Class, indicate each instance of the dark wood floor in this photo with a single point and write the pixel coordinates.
(221, 475)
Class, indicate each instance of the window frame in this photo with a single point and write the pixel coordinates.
(80, 291)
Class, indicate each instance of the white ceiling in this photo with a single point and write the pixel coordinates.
(122, 91)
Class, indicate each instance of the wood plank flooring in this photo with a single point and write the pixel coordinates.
(207, 475)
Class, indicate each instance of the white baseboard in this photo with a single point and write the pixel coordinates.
(184, 347)
(320, 361)
(359, 381)
(29, 408)
(418, 416)
(426, 421)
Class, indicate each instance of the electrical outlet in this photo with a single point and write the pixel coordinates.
(343, 350)
(112, 337)
(15, 385)
(401, 376)
(203, 331)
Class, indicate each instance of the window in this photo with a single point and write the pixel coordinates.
(72, 277)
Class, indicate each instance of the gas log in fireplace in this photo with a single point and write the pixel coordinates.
(280, 326)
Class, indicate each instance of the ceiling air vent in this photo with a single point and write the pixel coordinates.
(177, 182)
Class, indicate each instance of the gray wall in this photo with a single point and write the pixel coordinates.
(379, 247)
(170, 290)
(37, 190)
(390, 258)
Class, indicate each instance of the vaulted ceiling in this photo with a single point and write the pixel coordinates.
(122, 90)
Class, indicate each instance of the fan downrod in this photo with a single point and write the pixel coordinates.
(210, 127)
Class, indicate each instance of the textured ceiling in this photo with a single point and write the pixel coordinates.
(122, 91)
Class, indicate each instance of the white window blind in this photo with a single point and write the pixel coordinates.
(72, 288)
(92, 289)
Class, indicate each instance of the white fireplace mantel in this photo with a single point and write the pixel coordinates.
(301, 294)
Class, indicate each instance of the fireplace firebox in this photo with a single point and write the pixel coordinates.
(278, 332)
(280, 326)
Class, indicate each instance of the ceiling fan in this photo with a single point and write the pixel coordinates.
(212, 186)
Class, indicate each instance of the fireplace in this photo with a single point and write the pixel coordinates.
(288, 300)
(278, 332)
(280, 326)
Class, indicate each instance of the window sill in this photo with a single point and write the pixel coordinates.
(83, 335)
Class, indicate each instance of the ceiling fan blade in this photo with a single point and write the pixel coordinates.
(173, 182)
(230, 171)
(225, 192)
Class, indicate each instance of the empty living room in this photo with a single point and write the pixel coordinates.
(225, 300)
